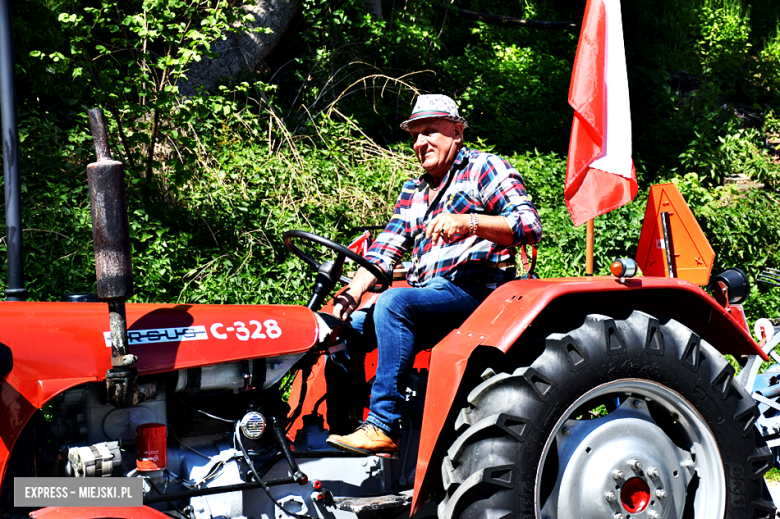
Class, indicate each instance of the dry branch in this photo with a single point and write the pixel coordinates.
(508, 21)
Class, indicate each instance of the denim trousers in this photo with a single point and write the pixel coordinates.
(406, 321)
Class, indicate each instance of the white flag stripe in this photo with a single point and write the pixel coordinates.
(615, 154)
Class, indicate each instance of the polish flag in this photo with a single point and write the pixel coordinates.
(600, 174)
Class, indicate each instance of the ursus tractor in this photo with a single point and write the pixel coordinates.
(594, 397)
(557, 398)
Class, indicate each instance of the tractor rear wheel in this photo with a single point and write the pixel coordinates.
(616, 418)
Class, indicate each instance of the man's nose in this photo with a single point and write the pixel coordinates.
(419, 141)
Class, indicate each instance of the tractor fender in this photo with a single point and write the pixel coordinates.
(56, 346)
(508, 312)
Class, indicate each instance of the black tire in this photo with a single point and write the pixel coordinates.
(662, 388)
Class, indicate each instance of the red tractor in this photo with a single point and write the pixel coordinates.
(597, 397)
(558, 398)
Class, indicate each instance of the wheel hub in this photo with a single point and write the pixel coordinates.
(624, 464)
(620, 444)
(635, 495)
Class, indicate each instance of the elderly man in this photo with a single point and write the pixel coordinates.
(462, 219)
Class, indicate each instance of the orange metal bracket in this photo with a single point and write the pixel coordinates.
(691, 253)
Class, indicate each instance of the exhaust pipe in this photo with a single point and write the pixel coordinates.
(15, 290)
(111, 236)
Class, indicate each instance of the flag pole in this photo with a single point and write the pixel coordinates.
(589, 248)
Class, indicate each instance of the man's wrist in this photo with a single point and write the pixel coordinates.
(473, 224)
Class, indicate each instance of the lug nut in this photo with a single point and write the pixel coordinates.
(689, 464)
(652, 514)
(618, 516)
(637, 404)
(617, 474)
(660, 493)
(653, 472)
(611, 497)
(635, 464)
(565, 431)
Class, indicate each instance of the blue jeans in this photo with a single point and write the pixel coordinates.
(405, 321)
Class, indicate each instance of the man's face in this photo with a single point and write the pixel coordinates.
(436, 143)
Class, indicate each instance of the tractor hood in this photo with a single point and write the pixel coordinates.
(59, 345)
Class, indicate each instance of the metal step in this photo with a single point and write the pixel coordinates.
(365, 504)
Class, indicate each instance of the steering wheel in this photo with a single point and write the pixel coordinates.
(329, 272)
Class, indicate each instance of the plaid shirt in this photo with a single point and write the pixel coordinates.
(476, 183)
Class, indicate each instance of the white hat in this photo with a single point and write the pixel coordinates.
(434, 105)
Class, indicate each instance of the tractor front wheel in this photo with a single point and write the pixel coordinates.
(616, 418)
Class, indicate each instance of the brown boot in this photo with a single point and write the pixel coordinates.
(368, 439)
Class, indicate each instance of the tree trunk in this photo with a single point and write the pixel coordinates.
(375, 8)
(245, 50)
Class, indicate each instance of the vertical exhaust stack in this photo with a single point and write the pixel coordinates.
(15, 290)
(111, 235)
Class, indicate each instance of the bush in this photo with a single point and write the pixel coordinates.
(731, 151)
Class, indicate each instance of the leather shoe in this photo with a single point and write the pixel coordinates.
(368, 440)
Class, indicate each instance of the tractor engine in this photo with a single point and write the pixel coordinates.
(182, 436)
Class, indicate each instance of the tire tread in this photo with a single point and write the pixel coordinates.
(506, 413)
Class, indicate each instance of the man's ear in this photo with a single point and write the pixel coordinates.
(457, 130)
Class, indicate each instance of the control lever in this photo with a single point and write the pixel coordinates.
(298, 476)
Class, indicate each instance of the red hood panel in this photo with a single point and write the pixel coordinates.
(68, 340)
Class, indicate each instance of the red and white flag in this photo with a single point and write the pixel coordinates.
(600, 174)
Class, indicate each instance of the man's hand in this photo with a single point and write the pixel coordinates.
(447, 228)
(344, 304)
(347, 301)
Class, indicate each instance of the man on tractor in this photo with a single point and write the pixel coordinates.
(462, 220)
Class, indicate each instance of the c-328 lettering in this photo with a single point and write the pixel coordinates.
(243, 332)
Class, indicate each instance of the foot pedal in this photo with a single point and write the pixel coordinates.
(365, 504)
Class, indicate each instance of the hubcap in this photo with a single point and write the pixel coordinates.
(635, 495)
(641, 457)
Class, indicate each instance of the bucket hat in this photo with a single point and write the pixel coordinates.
(434, 105)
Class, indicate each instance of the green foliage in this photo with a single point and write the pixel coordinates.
(311, 140)
(132, 57)
(217, 237)
(700, 75)
(731, 151)
(723, 42)
(515, 88)
(768, 75)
